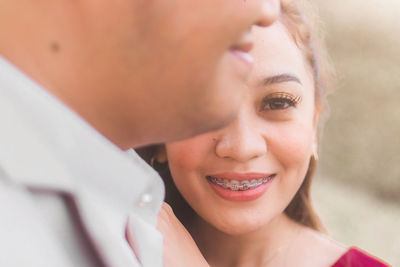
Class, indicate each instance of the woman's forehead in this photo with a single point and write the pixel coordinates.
(274, 43)
(276, 53)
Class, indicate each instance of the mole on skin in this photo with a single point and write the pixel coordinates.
(54, 47)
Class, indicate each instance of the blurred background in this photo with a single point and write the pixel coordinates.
(357, 188)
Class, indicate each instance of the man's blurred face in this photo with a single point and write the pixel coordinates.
(185, 60)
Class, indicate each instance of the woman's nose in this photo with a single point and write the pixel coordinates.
(268, 12)
(240, 142)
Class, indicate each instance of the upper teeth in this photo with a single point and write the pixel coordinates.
(236, 185)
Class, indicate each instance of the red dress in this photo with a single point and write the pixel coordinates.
(354, 257)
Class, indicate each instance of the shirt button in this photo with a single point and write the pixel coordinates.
(145, 199)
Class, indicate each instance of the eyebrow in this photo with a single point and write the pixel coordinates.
(285, 77)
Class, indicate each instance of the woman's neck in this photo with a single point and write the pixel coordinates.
(262, 247)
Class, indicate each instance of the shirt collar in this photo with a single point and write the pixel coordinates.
(47, 144)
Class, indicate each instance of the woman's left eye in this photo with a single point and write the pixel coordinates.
(280, 101)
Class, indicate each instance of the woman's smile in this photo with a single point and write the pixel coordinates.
(240, 187)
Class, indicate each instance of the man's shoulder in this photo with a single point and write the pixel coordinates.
(25, 239)
(14, 199)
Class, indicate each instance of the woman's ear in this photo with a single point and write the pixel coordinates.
(317, 114)
(316, 126)
(314, 150)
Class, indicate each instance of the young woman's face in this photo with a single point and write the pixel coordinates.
(241, 177)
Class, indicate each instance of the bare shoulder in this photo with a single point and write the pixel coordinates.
(317, 249)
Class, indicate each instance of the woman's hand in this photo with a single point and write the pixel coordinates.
(180, 250)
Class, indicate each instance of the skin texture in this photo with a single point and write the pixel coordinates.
(139, 71)
(269, 135)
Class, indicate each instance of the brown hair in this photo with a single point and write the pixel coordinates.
(301, 24)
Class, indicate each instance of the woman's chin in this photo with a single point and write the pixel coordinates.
(238, 229)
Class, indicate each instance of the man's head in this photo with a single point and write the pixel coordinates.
(140, 71)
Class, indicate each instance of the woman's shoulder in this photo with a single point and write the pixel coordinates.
(321, 250)
(356, 257)
(318, 249)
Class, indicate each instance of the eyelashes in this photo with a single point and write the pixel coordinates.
(280, 101)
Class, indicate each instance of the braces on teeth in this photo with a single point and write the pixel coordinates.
(240, 187)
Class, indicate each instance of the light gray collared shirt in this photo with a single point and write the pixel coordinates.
(45, 145)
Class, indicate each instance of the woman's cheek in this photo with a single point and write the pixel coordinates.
(292, 149)
(188, 154)
(292, 145)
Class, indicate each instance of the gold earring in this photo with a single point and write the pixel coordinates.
(152, 160)
(158, 166)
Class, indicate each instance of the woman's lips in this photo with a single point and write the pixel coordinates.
(240, 186)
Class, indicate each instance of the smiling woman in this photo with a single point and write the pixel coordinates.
(246, 187)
